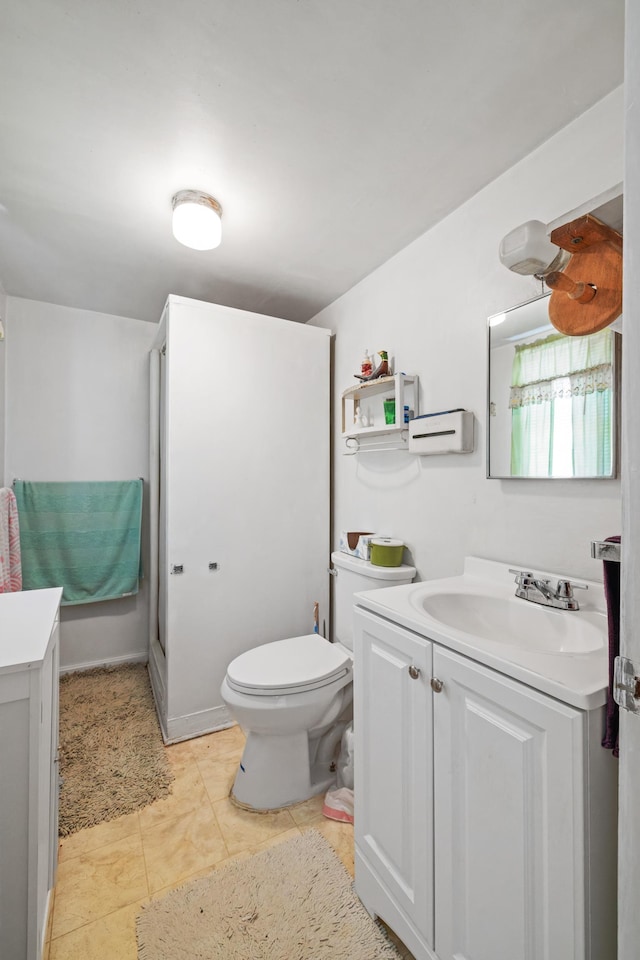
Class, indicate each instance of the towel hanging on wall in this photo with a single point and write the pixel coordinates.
(10, 563)
(82, 536)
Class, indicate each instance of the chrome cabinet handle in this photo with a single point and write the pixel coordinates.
(414, 672)
(436, 685)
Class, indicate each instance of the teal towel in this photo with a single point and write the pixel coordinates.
(82, 536)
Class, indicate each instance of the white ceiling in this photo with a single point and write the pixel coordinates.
(333, 132)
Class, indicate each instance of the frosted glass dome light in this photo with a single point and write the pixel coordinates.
(197, 220)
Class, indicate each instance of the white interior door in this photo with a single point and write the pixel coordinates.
(629, 819)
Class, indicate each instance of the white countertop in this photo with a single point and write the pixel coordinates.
(26, 622)
(579, 679)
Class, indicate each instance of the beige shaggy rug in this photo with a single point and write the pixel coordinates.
(111, 754)
(294, 901)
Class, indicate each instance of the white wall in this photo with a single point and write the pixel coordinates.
(77, 409)
(428, 306)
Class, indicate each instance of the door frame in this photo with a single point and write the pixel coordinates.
(629, 774)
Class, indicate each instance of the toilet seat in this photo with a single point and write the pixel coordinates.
(288, 666)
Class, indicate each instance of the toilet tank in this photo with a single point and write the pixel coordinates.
(353, 575)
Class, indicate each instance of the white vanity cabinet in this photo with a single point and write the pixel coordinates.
(29, 676)
(485, 810)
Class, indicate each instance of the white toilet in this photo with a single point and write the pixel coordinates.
(293, 698)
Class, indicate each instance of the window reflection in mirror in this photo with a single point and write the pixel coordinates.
(552, 398)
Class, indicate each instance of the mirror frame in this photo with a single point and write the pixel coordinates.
(615, 426)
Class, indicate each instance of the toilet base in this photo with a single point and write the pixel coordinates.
(274, 772)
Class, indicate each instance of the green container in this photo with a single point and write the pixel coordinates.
(389, 410)
(386, 552)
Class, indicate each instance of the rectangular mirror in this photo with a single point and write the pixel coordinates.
(552, 399)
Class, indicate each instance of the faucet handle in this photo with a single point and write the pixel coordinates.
(565, 588)
(523, 578)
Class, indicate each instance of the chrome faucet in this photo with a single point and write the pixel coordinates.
(539, 591)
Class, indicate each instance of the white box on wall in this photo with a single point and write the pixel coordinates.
(440, 433)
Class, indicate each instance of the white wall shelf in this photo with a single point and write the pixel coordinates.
(369, 396)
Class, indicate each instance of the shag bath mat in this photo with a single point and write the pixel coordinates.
(111, 754)
(294, 901)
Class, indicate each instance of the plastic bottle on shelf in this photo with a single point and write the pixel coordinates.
(366, 367)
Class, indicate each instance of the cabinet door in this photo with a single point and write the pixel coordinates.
(393, 767)
(508, 770)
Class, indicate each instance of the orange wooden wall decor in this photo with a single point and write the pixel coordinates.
(587, 295)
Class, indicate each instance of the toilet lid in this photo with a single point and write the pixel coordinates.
(298, 663)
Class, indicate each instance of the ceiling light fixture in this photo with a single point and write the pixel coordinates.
(197, 219)
(529, 251)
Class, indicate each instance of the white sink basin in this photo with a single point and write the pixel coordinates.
(513, 621)
(559, 652)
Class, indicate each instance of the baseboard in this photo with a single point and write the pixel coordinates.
(196, 724)
(108, 662)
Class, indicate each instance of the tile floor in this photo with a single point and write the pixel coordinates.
(106, 872)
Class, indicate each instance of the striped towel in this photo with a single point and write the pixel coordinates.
(10, 564)
(83, 536)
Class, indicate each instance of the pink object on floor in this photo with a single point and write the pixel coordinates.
(10, 561)
(338, 805)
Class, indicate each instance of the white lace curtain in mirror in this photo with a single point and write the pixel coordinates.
(552, 398)
(561, 407)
